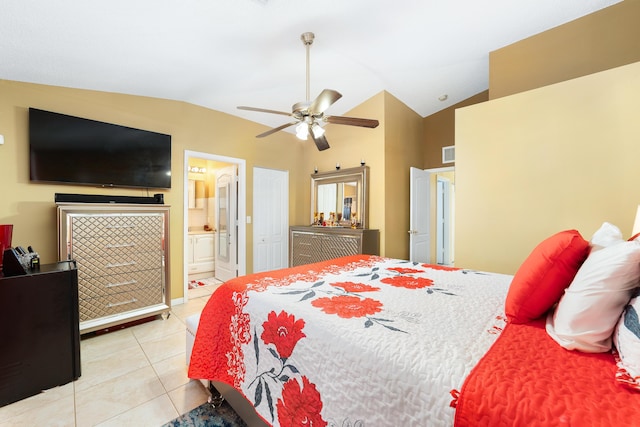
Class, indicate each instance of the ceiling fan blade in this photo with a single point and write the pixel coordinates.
(263, 110)
(324, 101)
(274, 130)
(321, 142)
(351, 121)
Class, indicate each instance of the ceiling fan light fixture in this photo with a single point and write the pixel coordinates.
(317, 130)
(309, 115)
(302, 131)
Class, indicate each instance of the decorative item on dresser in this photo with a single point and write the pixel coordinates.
(121, 251)
(315, 244)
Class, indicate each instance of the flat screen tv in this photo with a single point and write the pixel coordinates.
(73, 150)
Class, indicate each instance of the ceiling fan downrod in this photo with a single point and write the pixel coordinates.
(307, 39)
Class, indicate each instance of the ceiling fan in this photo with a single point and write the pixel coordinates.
(309, 116)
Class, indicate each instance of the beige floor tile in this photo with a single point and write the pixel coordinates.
(157, 328)
(114, 397)
(112, 342)
(166, 346)
(172, 371)
(57, 413)
(110, 365)
(185, 310)
(202, 291)
(189, 396)
(34, 403)
(153, 413)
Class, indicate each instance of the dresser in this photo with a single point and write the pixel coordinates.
(39, 333)
(314, 244)
(121, 252)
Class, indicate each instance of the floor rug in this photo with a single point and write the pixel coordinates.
(206, 415)
(193, 284)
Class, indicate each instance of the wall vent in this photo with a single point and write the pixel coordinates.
(449, 154)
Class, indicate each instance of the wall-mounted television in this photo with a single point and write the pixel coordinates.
(73, 150)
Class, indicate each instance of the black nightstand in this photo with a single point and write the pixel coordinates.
(39, 331)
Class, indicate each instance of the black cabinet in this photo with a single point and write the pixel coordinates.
(39, 331)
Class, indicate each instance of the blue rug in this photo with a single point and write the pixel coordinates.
(206, 416)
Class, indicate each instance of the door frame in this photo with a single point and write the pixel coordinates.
(242, 212)
(443, 220)
(432, 208)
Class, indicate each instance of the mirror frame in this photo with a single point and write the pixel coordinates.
(359, 174)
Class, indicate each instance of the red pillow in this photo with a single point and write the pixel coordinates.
(543, 276)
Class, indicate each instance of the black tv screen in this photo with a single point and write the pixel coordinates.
(74, 150)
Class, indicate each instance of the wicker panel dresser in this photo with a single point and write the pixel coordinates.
(314, 244)
(121, 252)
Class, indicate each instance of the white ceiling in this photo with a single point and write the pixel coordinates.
(224, 53)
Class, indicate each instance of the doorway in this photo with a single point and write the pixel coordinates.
(201, 225)
(432, 201)
(444, 229)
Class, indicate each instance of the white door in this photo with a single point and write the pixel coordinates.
(226, 223)
(443, 235)
(270, 219)
(419, 216)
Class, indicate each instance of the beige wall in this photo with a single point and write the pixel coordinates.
(349, 145)
(403, 149)
(572, 151)
(389, 150)
(439, 131)
(31, 208)
(605, 39)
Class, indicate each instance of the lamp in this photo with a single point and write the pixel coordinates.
(317, 130)
(636, 224)
(302, 131)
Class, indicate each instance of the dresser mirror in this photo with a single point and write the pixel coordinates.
(343, 193)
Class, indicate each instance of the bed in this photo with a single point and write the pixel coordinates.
(359, 340)
(371, 341)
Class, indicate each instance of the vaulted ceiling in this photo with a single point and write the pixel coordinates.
(224, 53)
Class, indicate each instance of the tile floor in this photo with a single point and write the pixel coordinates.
(131, 377)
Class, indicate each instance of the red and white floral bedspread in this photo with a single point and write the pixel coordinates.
(358, 341)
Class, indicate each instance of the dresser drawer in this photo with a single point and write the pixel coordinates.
(127, 246)
(94, 287)
(117, 264)
(116, 225)
(305, 243)
(337, 246)
(122, 302)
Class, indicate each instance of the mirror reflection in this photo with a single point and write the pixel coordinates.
(339, 198)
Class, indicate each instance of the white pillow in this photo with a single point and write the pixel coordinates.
(626, 338)
(592, 304)
(607, 235)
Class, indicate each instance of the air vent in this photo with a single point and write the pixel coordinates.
(449, 154)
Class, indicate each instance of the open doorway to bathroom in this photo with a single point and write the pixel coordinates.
(204, 222)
